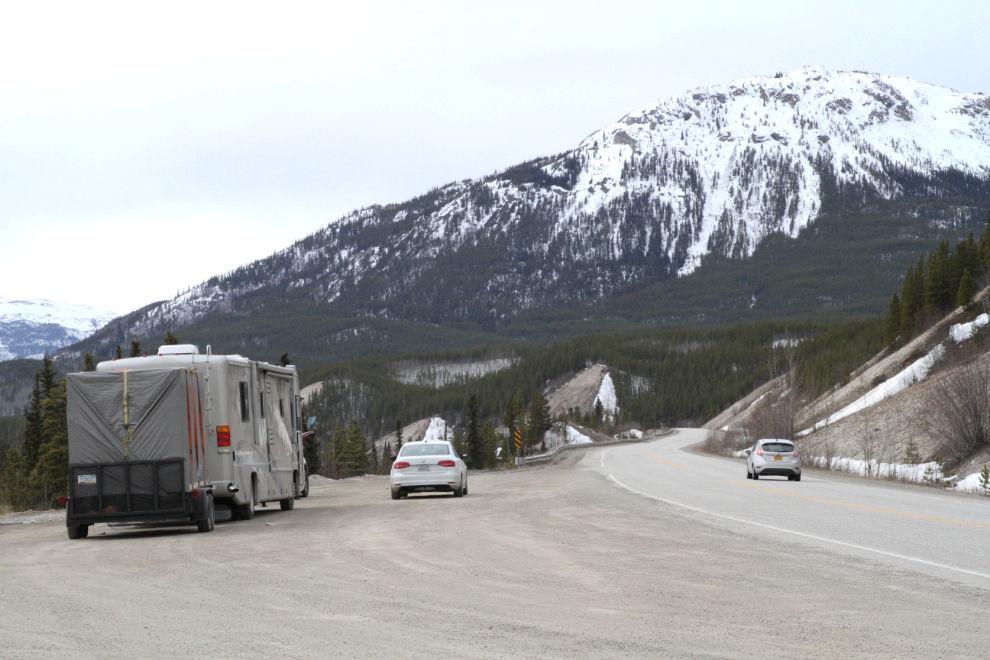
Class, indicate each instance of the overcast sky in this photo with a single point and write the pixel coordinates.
(144, 148)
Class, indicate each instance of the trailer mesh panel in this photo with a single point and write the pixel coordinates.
(140, 487)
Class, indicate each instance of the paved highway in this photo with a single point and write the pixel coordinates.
(551, 561)
(935, 532)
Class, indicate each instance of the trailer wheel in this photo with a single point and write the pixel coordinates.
(287, 503)
(78, 531)
(207, 523)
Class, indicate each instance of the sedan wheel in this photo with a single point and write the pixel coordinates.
(755, 476)
(395, 494)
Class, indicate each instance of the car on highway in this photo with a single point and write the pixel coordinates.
(427, 466)
(773, 457)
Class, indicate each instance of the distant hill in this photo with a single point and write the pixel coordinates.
(30, 327)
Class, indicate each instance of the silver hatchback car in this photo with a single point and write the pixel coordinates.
(771, 457)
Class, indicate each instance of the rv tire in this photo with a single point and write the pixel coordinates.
(305, 490)
(246, 511)
(207, 523)
(287, 503)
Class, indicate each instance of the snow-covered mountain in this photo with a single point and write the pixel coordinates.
(29, 327)
(711, 172)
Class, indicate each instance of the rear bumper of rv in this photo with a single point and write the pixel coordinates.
(137, 491)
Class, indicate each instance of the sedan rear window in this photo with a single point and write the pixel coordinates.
(777, 447)
(424, 450)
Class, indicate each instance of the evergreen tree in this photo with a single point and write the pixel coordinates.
(599, 412)
(50, 476)
(950, 275)
(911, 455)
(34, 433)
(966, 291)
(14, 487)
(934, 285)
(985, 245)
(118, 354)
(540, 420)
(135, 348)
(398, 436)
(89, 362)
(355, 454)
(284, 361)
(489, 442)
(475, 450)
(33, 436)
(170, 339)
(893, 326)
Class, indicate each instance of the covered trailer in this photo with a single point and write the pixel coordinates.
(137, 448)
(249, 435)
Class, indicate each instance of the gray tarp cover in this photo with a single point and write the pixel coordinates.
(157, 412)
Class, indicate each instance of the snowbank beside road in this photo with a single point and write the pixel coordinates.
(915, 372)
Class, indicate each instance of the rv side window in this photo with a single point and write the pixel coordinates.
(281, 407)
(262, 396)
(244, 402)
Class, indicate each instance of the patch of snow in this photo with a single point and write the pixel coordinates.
(972, 484)
(575, 437)
(960, 332)
(438, 431)
(82, 320)
(904, 471)
(917, 371)
(606, 394)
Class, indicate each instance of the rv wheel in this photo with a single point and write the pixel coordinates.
(305, 491)
(206, 524)
(287, 503)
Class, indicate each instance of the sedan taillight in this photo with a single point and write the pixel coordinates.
(446, 463)
(400, 464)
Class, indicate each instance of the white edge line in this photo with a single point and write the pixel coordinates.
(808, 536)
(603, 455)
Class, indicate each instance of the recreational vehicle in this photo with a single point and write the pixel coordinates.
(182, 436)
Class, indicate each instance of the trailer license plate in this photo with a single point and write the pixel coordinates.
(424, 468)
(778, 458)
(87, 479)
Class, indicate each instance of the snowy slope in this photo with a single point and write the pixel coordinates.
(715, 170)
(29, 327)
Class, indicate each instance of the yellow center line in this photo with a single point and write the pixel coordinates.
(859, 506)
(680, 467)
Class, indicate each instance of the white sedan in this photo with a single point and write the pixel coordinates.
(428, 467)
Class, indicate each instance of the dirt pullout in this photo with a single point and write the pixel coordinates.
(550, 562)
(579, 392)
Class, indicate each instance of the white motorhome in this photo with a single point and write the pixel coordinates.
(253, 438)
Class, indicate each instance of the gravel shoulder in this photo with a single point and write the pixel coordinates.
(547, 561)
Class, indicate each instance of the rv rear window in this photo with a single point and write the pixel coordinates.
(262, 395)
(244, 402)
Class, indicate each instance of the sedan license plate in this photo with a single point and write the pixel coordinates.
(424, 468)
(778, 458)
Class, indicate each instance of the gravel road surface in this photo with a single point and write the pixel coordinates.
(555, 561)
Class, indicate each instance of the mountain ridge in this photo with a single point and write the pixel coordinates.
(712, 174)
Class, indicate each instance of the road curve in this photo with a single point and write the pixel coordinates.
(939, 533)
